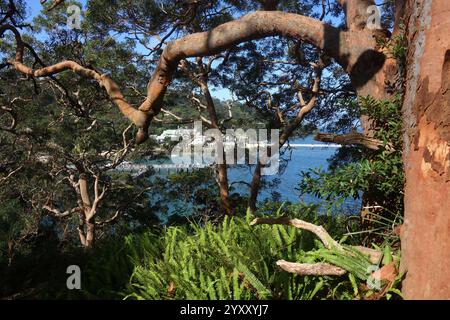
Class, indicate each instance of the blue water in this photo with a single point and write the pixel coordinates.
(285, 183)
(297, 160)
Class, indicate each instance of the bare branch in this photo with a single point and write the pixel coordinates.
(98, 197)
(319, 231)
(316, 268)
(13, 117)
(110, 220)
(311, 269)
(53, 5)
(58, 214)
(10, 174)
(352, 138)
(139, 118)
(250, 27)
(333, 41)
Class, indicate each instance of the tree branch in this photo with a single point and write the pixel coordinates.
(311, 269)
(107, 221)
(319, 231)
(252, 26)
(58, 214)
(356, 14)
(352, 138)
(53, 5)
(316, 269)
(9, 175)
(334, 42)
(139, 118)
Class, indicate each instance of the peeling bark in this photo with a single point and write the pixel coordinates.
(425, 234)
(355, 50)
(351, 139)
(311, 269)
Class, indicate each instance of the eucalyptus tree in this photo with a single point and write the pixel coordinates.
(256, 74)
(359, 45)
(60, 131)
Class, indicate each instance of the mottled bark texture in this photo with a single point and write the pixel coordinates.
(355, 50)
(353, 138)
(425, 234)
(222, 175)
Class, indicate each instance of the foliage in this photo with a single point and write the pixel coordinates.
(379, 173)
(233, 260)
(72, 121)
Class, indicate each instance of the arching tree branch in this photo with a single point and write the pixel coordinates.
(356, 14)
(352, 138)
(345, 47)
(139, 118)
(53, 5)
(252, 26)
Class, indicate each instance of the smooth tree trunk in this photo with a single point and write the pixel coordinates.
(425, 234)
(255, 186)
(222, 174)
(90, 233)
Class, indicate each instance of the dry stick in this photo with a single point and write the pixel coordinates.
(353, 138)
(139, 118)
(319, 231)
(317, 269)
(311, 269)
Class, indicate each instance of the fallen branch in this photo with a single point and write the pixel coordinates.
(319, 231)
(311, 269)
(352, 138)
(316, 269)
(53, 5)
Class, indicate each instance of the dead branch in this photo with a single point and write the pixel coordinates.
(58, 214)
(53, 5)
(317, 269)
(311, 269)
(9, 175)
(319, 231)
(352, 138)
(109, 220)
(12, 125)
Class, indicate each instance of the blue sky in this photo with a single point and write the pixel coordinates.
(34, 7)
